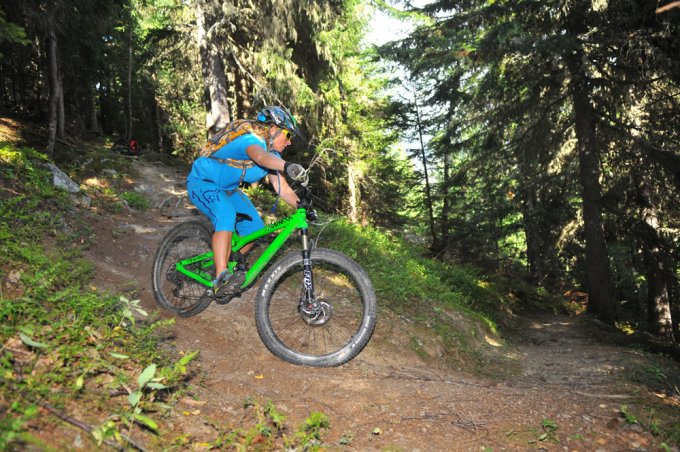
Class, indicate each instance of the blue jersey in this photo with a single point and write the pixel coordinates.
(225, 175)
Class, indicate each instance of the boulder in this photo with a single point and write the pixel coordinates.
(61, 180)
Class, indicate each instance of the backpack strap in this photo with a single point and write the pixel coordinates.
(240, 164)
(243, 165)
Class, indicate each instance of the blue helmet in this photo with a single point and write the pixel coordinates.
(280, 117)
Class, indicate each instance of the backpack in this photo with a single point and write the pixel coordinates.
(225, 136)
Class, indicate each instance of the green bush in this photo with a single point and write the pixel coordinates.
(135, 200)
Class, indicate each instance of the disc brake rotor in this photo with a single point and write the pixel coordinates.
(316, 315)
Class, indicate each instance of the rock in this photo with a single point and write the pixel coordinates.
(61, 180)
(14, 277)
(137, 229)
(144, 188)
(81, 200)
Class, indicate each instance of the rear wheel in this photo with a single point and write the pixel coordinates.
(328, 332)
(173, 290)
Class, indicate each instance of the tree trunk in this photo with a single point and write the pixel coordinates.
(423, 158)
(159, 126)
(101, 103)
(444, 216)
(242, 95)
(353, 188)
(598, 280)
(659, 321)
(658, 302)
(534, 241)
(54, 85)
(212, 66)
(93, 124)
(61, 114)
(157, 115)
(343, 100)
(129, 88)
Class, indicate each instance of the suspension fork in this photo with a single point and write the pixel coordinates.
(307, 278)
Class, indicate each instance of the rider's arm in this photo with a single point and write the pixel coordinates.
(264, 158)
(286, 193)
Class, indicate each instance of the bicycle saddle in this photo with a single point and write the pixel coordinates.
(243, 217)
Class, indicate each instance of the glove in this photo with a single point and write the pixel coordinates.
(294, 171)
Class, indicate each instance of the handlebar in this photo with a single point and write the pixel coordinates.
(305, 196)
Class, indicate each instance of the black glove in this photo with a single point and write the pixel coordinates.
(294, 171)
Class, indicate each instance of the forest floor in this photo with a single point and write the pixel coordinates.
(571, 390)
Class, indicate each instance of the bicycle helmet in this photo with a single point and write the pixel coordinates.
(280, 117)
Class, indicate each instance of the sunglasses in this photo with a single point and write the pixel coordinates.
(288, 134)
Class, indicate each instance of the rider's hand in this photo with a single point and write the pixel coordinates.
(294, 171)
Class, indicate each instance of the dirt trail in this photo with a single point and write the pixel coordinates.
(568, 377)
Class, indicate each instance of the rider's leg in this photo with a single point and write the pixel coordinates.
(221, 245)
(215, 203)
(246, 248)
(243, 204)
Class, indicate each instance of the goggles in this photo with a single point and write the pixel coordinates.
(288, 134)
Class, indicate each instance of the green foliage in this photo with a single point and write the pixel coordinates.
(32, 216)
(660, 421)
(492, 86)
(10, 32)
(308, 435)
(136, 200)
(457, 303)
(627, 416)
(549, 431)
(265, 428)
(59, 334)
(403, 274)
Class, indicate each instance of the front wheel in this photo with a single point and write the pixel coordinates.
(332, 331)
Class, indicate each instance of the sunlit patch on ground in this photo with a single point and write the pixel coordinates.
(8, 130)
(492, 341)
(96, 182)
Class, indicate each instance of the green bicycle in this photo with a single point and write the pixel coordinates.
(315, 307)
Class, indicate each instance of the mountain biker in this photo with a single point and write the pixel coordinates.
(214, 180)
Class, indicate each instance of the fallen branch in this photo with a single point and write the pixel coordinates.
(665, 8)
(469, 426)
(604, 396)
(88, 428)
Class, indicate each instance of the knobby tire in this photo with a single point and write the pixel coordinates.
(172, 290)
(345, 325)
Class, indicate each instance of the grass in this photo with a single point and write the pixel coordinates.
(456, 303)
(135, 200)
(63, 343)
(68, 349)
(264, 428)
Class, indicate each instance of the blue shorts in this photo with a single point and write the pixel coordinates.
(221, 208)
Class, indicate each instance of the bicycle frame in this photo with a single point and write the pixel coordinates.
(287, 226)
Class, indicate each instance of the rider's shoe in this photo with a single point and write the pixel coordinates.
(227, 285)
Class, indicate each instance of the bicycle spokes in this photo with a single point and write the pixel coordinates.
(324, 323)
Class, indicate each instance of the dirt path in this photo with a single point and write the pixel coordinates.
(568, 378)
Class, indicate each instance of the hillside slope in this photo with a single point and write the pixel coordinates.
(568, 393)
